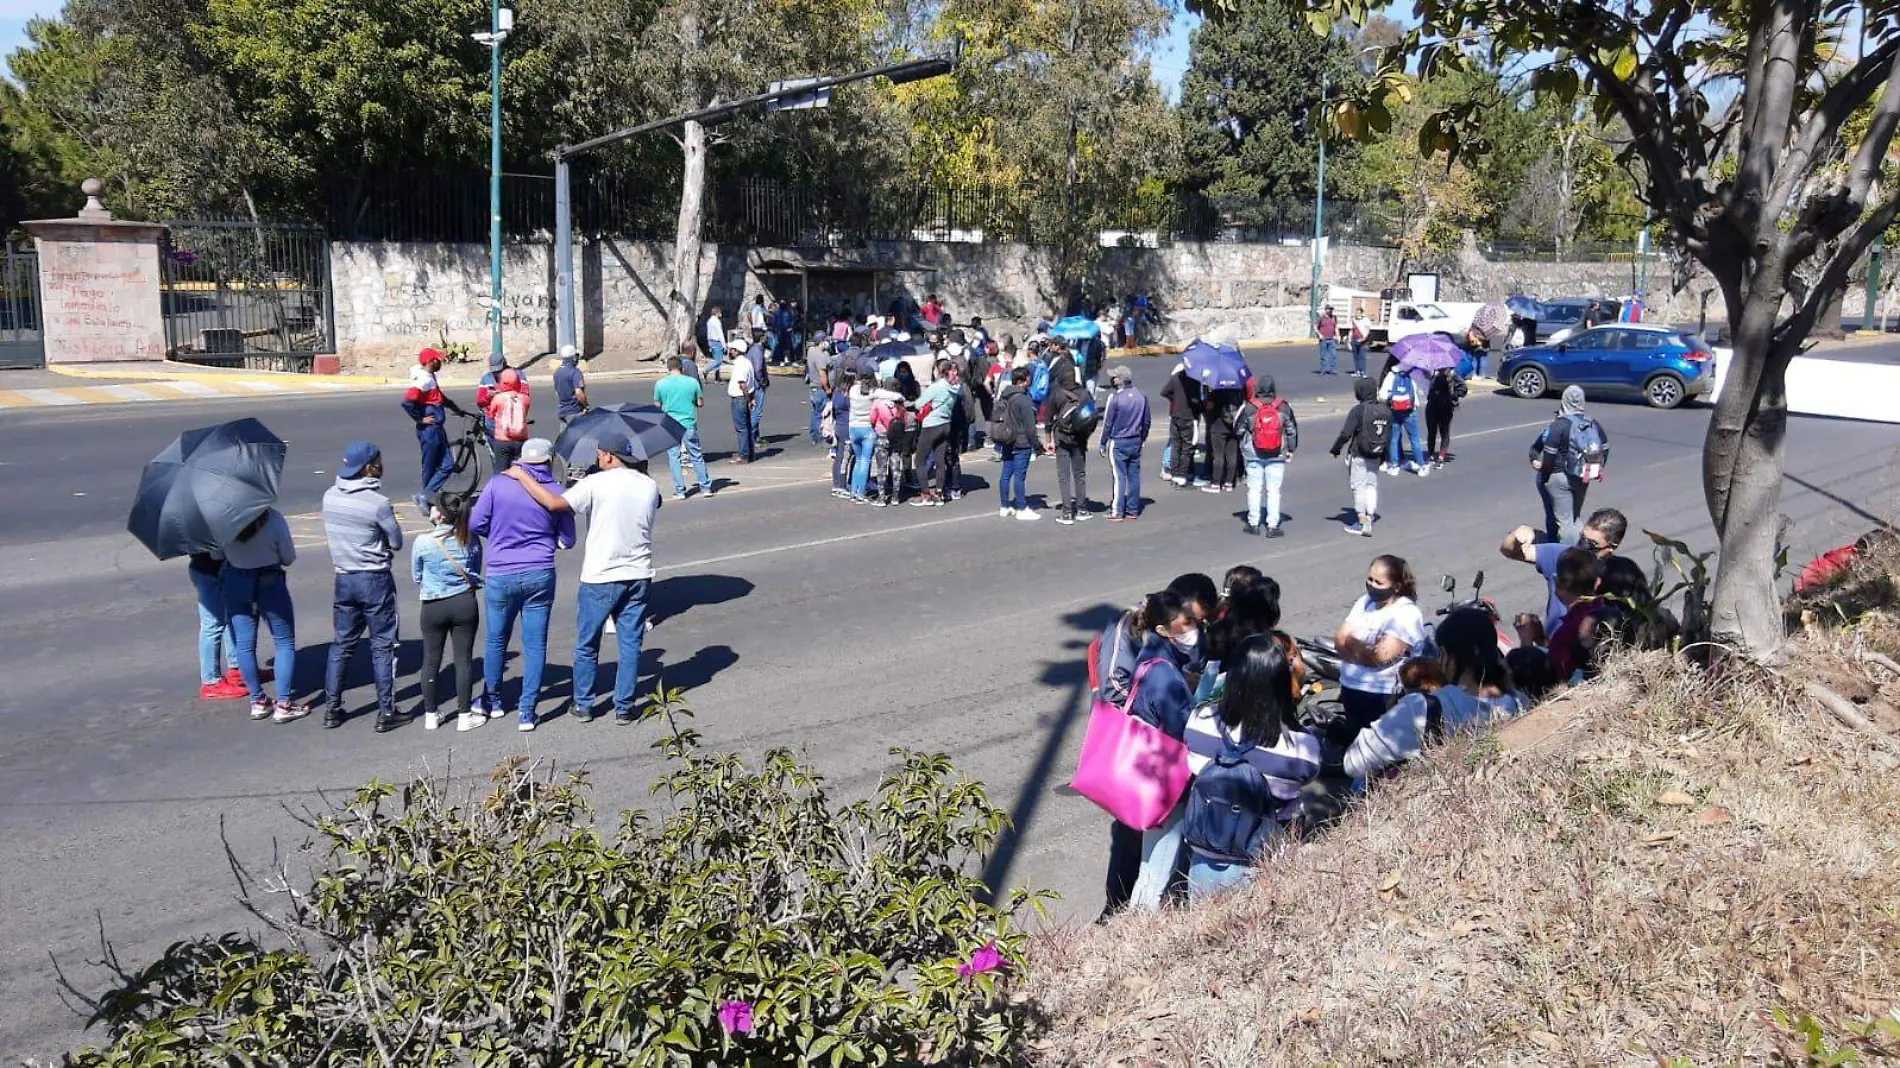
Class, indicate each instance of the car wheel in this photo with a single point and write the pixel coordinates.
(1664, 391)
(1516, 339)
(1530, 383)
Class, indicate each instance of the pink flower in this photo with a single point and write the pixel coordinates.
(736, 1017)
(987, 959)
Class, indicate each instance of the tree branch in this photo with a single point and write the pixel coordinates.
(1822, 124)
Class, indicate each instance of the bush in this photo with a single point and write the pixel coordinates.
(753, 923)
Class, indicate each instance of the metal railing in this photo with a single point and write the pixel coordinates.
(238, 293)
(21, 341)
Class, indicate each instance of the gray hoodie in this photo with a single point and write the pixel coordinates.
(360, 524)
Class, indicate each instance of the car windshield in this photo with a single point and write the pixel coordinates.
(1695, 344)
(1432, 311)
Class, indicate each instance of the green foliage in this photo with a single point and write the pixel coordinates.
(512, 932)
(1804, 1043)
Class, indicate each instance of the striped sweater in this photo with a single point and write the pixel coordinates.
(360, 525)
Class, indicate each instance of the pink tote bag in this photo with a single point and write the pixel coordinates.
(1134, 770)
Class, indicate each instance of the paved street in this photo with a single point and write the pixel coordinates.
(792, 618)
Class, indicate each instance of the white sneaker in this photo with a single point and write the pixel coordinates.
(1424, 470)
(469, 720)
(524, 725)
(611, 629)
(431, 720)
(1029, 515)
(1006, 513)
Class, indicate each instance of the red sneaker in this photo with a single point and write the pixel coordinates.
(222, 690)
(236, 677)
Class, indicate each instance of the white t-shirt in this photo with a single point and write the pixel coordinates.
(618, 504)
(715, 331)
(1399, 618)
(739, 380)
(758, 317)
(1554, 610)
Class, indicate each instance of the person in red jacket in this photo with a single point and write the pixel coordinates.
(427, 407)
(505, 413)
(1832, 565)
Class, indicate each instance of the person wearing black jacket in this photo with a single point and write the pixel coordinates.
(1014, 431)
(1069, 434)
(1186, 399)
(1223, 443)
(1360, 431)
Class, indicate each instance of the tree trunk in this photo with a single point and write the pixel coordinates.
(683, 305)
(1741, 478)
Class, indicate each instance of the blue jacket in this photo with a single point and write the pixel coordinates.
(1126, 417)
(1163, 697)
(429, 563)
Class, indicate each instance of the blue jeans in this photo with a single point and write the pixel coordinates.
(1329, 354)
(820, 404)
(758, 412)
(365, 600)
(689, 445)
(1265, 475)
(530, 595)
(1208, 877)
(1125, 475)
(718, 351)
(1014, 478)
(437, 464)
(1359, 357)
(1161, 851)
(626, 604)
(214, 628)
(1412, 427)
(863, 440)
(250, 593)
(742, 426)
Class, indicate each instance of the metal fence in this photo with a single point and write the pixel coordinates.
(237, 293)
(455, 207)
(22, 343)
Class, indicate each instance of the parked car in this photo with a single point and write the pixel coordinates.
(1534, 321)
(1665, 366)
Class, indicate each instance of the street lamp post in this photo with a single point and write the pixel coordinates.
(501, 22)
(1319, 220)
(1873, 282)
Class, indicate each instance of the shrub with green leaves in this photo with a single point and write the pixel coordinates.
(753, 921)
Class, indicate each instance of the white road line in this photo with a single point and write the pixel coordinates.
(196, 389)
(1502, 429)
(131, 393)
(261, 387)
(840, 539)
(48, 396)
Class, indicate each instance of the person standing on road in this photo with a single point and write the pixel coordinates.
(427, 407)
(361, 527)
(1361, 335)
(1125, 424)
(1399, 388)
(1072, 418)
(1269, 436)
(1014, 432)
(1568, 455)
(1223, 442)
(740, 385)
(1328, 330)
(681, 396)
(821, 362)
(519, 541)
(443, 564)
(254, 588)
(1441, 403)
(1184, 397)
(1367, 431)
(861, 438)
(505, 414)
(619, 503)
(715, 339)
(570, 385)
(936, 414)
(218, 678)
(761, 382)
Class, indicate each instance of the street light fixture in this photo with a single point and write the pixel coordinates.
(501, 23)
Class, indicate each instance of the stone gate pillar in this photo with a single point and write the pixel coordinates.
(99, 285)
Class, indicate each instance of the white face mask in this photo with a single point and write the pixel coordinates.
(1186, 641)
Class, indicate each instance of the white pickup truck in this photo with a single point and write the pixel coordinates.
(1395, 317)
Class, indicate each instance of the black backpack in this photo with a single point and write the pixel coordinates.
(1375, 430)
(1230, 811)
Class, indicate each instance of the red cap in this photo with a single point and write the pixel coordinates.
(426, 355)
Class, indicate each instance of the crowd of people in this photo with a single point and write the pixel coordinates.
(1275, 751)
(493, 557)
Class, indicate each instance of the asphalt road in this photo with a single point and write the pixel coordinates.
(792, 618)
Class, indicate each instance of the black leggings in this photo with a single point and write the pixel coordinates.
(1223, 445)
(1438, 426)
(456, 619)
(932, 456)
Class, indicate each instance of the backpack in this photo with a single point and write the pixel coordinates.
(1230, 811)
(1269, 428)
(1587, 450)
(1002, 429)
(1039, 380)
(1080, 416)
(509, 410)
(1375, 430)
(1402, 395)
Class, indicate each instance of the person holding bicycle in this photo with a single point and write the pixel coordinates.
(428, 407)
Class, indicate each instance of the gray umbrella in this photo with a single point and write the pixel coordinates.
(206, 486)
(651, 430)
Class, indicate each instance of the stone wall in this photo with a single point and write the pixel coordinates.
(393, 299)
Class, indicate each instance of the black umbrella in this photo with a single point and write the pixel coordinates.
(651, 430)
(206, 486)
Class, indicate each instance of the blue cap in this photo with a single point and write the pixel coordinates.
(358, 456)
(615, 443)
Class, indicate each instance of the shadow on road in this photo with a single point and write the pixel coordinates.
(675, 596)
(1070, 674)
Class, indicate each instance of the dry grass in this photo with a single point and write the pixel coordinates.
(1685, 854)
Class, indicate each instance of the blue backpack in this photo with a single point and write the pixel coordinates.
(1039, 380)
(1230, 812)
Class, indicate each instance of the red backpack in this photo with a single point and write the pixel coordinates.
(1269, 428)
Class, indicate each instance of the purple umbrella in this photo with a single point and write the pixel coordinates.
(1216, 366)
(1427, 352)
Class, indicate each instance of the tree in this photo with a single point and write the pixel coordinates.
(1427, 202)
(1739, 115)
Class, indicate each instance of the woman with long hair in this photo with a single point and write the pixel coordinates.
(1480, 692)
(1382, 628)
(444, 563)
(1251, 759)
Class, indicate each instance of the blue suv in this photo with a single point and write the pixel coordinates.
(1666, 367)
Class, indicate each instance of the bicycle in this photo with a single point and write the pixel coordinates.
(465, 478)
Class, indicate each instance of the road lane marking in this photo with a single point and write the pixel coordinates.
(49, 396)
(131, 393)
(196, 389)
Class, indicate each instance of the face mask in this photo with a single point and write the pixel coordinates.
(1378, 594)
(1188, 641)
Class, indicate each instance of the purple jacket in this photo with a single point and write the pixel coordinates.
(520, 535)
(1126, 418)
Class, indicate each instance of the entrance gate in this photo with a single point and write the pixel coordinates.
(22, 343)
(243, 294)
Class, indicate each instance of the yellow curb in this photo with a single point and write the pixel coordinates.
(212, 375)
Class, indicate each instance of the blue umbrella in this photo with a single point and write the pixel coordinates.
(206, 487)
(1216, 366)
(1428, 352)
(1076, 328)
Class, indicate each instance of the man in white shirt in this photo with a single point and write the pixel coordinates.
(715, 339)
(619, 503)
(741, 383)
